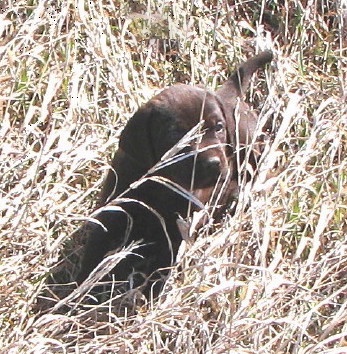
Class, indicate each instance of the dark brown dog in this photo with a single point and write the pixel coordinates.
(148, 211)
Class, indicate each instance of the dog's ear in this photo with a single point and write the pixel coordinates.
(134, 157)
(136, 140)
(233, 90)
(149, 133)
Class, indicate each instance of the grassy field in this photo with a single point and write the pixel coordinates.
(271, 278)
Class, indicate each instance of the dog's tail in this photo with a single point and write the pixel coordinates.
(238, 82)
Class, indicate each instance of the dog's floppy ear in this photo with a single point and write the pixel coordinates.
(134, 157)
(136, 140)
(233, 90)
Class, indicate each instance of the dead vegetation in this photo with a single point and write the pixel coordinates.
(272, 278)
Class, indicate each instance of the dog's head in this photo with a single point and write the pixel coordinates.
(174, 113)
(161, 123)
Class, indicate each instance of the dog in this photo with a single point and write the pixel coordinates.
(159, 161)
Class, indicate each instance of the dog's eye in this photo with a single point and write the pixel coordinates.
(219, 126)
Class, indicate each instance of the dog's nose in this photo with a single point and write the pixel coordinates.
(207, 171)
(214, 162)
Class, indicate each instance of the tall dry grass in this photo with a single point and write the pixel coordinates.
(270, 279)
